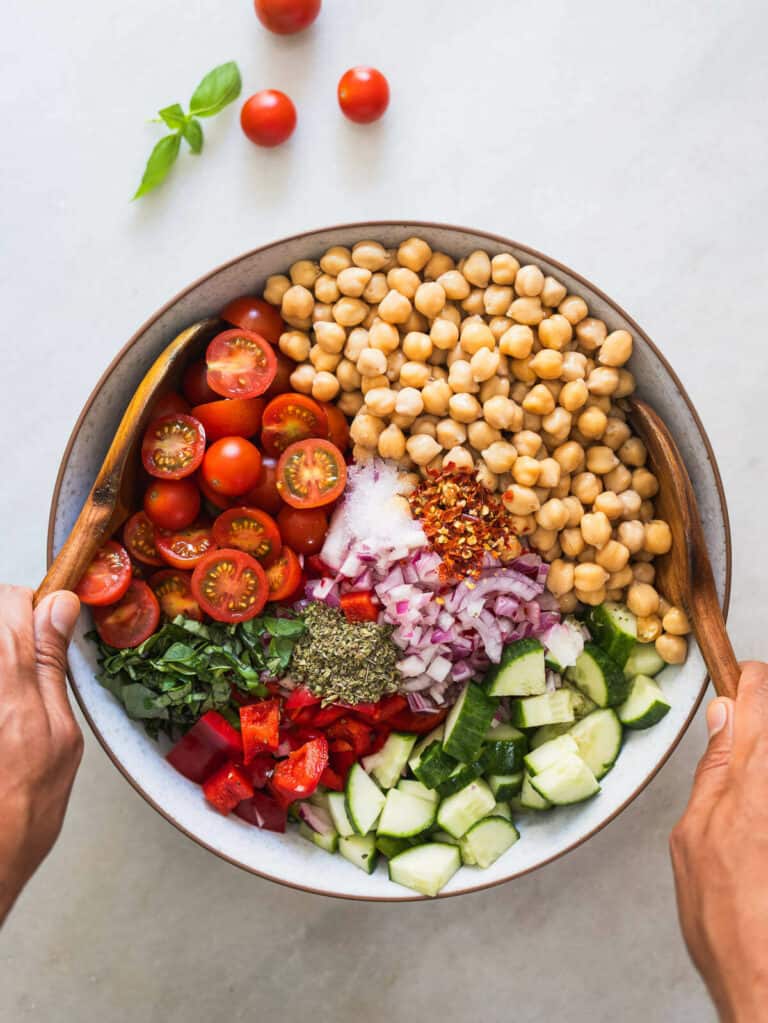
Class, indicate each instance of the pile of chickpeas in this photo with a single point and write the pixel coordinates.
(487, 364)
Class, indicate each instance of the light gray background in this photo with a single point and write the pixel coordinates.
(627, 140)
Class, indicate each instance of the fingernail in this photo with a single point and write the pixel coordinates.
(65, 607)
(717, 715)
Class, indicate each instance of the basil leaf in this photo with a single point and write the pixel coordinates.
(219, 87)
(140, 702)
(174, 116)
(193, 133)
(284, 626)
(160, 161)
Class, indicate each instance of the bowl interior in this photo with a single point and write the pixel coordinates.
(289, 858)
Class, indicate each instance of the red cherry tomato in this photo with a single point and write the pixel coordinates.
(172, 504)
(289, 418)
(241, 364)
(250, 313)
(139, 538)
(107, 577)
(250, 530)
(217, 501)
(230, 417)
(173, 447)
(231, 466)
(282, 382)
(311, 473)
(174, 593)
(230, 586)
(169, 405)
(264, 494)
(284, 575)
(303, 530)
(132, 620)
(287, 16)
(185, 547)
(298, 776)
(268, 118)
(195, 384)
(363, 94)
(338, 425)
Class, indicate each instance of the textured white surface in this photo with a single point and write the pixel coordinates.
(627, 141)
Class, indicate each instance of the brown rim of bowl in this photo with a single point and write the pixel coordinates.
(375, 225)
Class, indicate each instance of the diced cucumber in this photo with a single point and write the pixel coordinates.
(520, 671)
(360, 850)
(436, 735)
(580, 702)
(415, 788)
(614, 629)
(549, 709)
(434, 766)
(504, 786)
(598, 737)
(551, 662)
(329, 842)
(504, 749)
(567, 781)
(644, 660)
(425, 868)
(460, 777)
(645, 706)
(545, 756)
(530, 799)
(467, 723)
(501, 810)
(337, 805)
(459, 812)
(388, 764)
(487, 840)
(364, 800)
(599, 677)
(391, 847)
(548, 732)
(319, 798)
(404, 816)
(443, 836)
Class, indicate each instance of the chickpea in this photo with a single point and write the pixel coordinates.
(596, 529)
(553, 292)
(501, 413)
(572, 542)
(621, 579)
(496, 300)
(484, 364)
(487, 478)
(376, 289)
(603, 381)
(586, 486)
(394, 308)
(613, 556)
(575, 510)
(631, 503)
(590, 333)
(521, 370)
(380, 401)
(455, 285)
(555, 332)
(676, 622)
(632, 535)
(560, 577)
(543, 539)
(373, 383)
(371, 362)
(522, 525)
(366, 429)
(336, 259)
(439, 264)
(450, 434)
(361, 454)
(633, 452)
(589, 577)
(460, 377)
(425, 424)
(642, 599)
(414, 374)
(349, 312)
(527, 443)
(439, 360)
(601, 402)
(619, 480)
(645, 483)
(459, 458)
(297, 303)
(573, 395)
(422, 448)
(553, 514)
(452, 313)
(549, 472)
(499, 326)
(326, 289)
(476, 334)
(295, 344)
(324, 362)
(482, 436)
(370, 255)
(567, 603)
(520, 500)
(435, 395)
(547, 364)
(593, 598)
(569, 456)
(404, 281)
(609, 504)
(455, 355)
(539, 401)
(526, 470)
(601, 460)
(557, 425)
(477, 269)
(626, 385)
(414, 253)
(444, 334)
(350, 403)
(574, 309)
(527, 310)
(395, 362)
(322, 313)
(464, 408)
(429, 299)
(616, 349)
(353, 281)
(347, 375)
(275, 288)
(357, 340)
(302, 377)
(325, 386)
(529, 281)
(517, 341)
(646, 513)
(658, 537)
(616, 433)
(672, 649)
(504, 268)
(403, 421)
(574, 366)
(499, 456)
(330, 337)
(417, 346)
(592, 423)
(409, 402)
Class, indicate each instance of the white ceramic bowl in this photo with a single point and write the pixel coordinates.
(289, 859)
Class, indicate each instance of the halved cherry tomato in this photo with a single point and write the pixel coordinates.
(231, 466)
(311, 473)
(174, 592)
(139, 538)
(259, 727)
(338, 425)
(241, 364)
(250, 530)
(282, 382)
(230, 586)
(264, 494)
(132, 620)
(230, 417)
(170, 404)
(300, 697)
(213, 497)
(284, 575)
(303, 530)
(172, 504)
(289, 418)
(421, 723)
(107, 577)
(359, 606)
(184, 548)
(173, 447)
(195, 385)
(299, 775)
(251, 313)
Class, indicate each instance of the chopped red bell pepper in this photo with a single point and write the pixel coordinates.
(300, 697)
(327, 715)
(383, 709)
(260, 726)
(341, 757)
(353, 731)
(421, 723)
(332, 780)
(259, 770)
(298, 776)
(359, 606)
(303, 715)
(226, 788)
(263, 811)
(380, 736)
(208, 743)
(314, 566)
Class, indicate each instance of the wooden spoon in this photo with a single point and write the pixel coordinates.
(113, 496)
(685, 574)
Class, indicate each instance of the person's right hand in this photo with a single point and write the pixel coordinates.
(720, 854)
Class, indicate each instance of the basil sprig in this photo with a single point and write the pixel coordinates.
(219, 88)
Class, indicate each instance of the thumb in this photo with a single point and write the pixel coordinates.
(55, 619)
(712, 772)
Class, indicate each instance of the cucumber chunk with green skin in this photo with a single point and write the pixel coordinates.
(501, 810)
(391, 847)
(360, 850)
(443, 836)
(568, 781)
(364, 800)
(436, 735)
(614, 629)
(520, 672)
(415, 788)
(434, 766)
(504, 749)
(599, 677)
(549, 709)
(598, 737)
(319, 798)
(425, 868)
(644, 660)
(388, 764)
(466, 724)
(580, 702)
(460, 777)
(404, 816)
(330, 842)
(545, 756)
(504, 786)
(548, 732)
(459, 812)
(487, 840)
(645, 706)
(337, 806)
(530, 799)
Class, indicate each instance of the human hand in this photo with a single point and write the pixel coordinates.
(720, 854)
(40, 741)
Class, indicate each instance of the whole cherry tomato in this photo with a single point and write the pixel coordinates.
(231, 466)
(285, 17)
(363, 94)
(268, 118)
(303, 530)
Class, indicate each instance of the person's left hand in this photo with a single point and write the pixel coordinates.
(40, 742)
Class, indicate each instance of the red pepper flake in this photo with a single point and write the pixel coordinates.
(463, 522)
